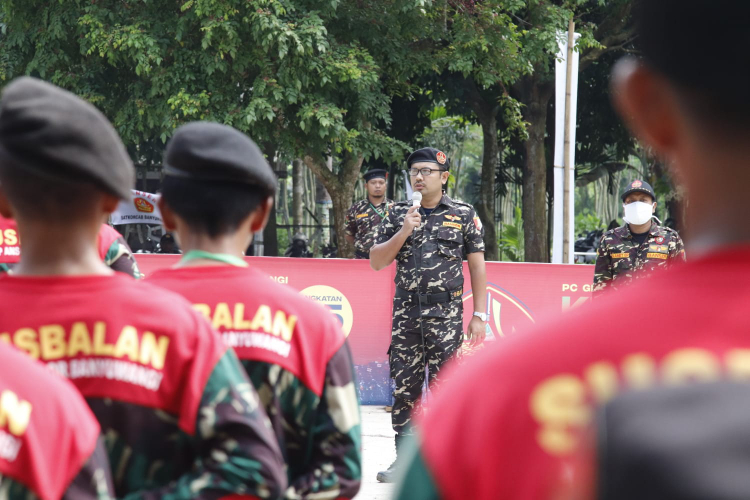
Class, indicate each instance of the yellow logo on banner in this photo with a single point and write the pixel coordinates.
(452, 224)
(654, 255)
(335, 301)
(620, 255)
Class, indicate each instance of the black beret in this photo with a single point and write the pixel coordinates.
(638, 186)
(51, 133)
(205, 151)
(375, 173)
(690, 441)
(429, 155)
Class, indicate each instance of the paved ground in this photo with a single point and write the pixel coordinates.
(377, 452)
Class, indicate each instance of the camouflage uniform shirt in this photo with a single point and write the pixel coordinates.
(452, 231)
(178, 414)
(362, 221)
(620, 259)
(299, 362)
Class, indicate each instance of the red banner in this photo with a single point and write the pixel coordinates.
(519, 296)
(10, 245)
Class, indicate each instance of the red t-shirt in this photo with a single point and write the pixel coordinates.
(261, 319)
(114, 338)
(506, 424)
(47, 431)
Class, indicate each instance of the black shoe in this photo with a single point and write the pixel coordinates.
(389, 475)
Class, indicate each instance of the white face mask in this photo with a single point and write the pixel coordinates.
(638, 212)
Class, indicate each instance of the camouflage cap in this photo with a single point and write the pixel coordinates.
(639, 186)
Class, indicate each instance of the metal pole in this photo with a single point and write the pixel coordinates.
(567, 146)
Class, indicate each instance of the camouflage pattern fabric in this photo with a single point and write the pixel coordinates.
(152, 458)
(319, 436)
(451, 232)
(620, 259)
(93, 482)
(120, 258)
(442, 338)
(362, 223)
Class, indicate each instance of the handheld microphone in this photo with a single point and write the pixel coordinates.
(416, 199)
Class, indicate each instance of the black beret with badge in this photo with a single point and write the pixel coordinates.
(429, 155)
(638, 186)
(375, 173)
(212, 152)
(53, 134)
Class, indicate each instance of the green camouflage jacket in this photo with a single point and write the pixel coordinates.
(362, 221)
(452, 231)
(620, 260)
(120, 258)
(297, 358)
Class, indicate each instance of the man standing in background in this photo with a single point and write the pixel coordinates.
(639, 246)
(364, 217)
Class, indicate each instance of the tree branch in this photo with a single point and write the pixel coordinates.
(317, 164)
(611, 33)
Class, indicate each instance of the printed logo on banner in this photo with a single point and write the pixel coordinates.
(502, 308)
(335, 301)
(143, 205)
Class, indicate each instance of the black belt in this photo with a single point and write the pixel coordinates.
(430, 298)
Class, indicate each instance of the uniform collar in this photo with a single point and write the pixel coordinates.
(656, 230)
(445, 200)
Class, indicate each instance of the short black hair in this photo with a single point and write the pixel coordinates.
(50, 199)
(703, 47)
(212, 208)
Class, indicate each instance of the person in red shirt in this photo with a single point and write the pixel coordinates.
(113, 249)
(38, 408)
(218, 190)
(179, 415)
(508, 424)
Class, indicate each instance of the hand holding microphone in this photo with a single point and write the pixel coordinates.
(413, 219)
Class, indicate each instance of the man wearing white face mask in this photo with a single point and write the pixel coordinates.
(639, 246)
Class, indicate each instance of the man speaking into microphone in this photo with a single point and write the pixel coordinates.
(429, 237)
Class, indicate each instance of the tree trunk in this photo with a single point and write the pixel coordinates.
(487, 115)
(486, 207)
(270, 237)
(534, 204)
(340, 187)
(298, 190)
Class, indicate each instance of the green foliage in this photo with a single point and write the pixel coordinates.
(271, 68)
(586, 222)
(511, 241)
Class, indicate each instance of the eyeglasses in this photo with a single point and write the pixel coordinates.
(424, 171)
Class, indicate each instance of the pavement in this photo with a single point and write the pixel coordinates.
(378, 452)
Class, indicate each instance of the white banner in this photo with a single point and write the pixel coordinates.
(140, 209)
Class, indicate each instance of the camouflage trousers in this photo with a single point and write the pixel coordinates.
(442, 324)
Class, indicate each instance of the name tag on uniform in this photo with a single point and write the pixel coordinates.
(359, 216)
(655, 255)
(452, 224)
(658, 248)
(620, 255)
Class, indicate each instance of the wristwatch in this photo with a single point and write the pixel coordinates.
(482, 316)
